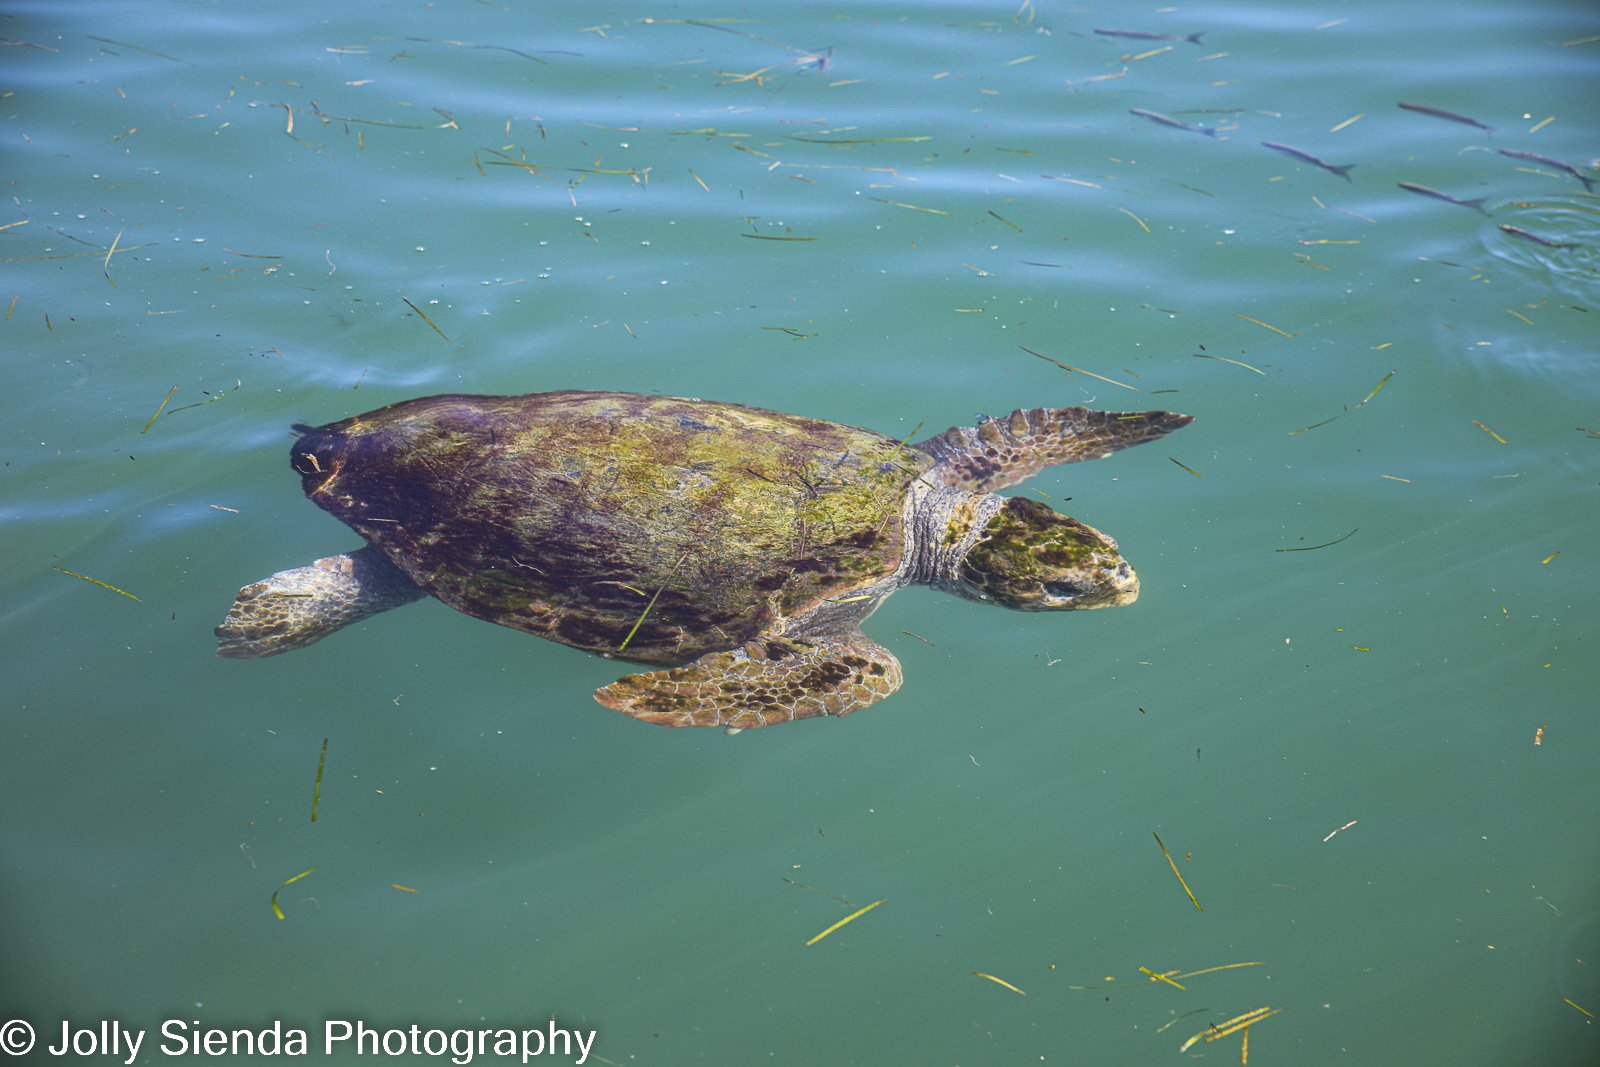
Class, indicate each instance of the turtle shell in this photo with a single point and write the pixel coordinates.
(574, 515)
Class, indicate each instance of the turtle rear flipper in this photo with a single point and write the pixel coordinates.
(298, 607)
(1003, 451)
(768, 680)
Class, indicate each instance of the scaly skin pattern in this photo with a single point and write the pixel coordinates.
(298, 607)
(761, 683)
(564, 514)
(1031, 558)
(999, 452)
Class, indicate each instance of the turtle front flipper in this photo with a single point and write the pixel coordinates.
(768, 680)
(1003, 451)
(298, 607)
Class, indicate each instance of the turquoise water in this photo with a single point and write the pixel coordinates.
(259, 205)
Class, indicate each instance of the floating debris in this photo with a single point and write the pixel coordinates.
(1154, 977)
(824, 892)
(105, 268)
(911, 207)
(807, 56)
(734, 78)
(1232, 1026)
(1221, 967)
(1488, 431)
(1099, 77)
(277, 910)
(157, 415)
(1173, 864)
(1225, 359)
(1135, 218)
(1080, 370)
(495, 47)
(1341, 829)
(1173, 976)
(1347, 411)
(852, 917)
(999, 981)
(211, 398)
(1266, 325)
(423, 315)
(140, 48)
(861, 140)
(94, 581)
(1164, 1027)
(1072, 181)
(640, 620)
(1329, 544)
(316, 793)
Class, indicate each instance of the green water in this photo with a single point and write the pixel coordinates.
(574, 196)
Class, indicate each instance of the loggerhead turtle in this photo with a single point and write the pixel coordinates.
(739, 547)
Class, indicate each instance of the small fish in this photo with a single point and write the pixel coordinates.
(1517, 231)
(1588, 182)
(1174, 123)
(1440, 113)
(1413, 187)
(1141, 35)
(1342, 170)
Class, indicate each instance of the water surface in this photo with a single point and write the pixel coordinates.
(260, 206)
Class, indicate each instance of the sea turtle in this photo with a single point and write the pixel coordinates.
(739, 547)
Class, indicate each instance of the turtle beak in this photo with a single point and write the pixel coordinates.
(315, 456)
(1119, 586)
(1125, 586)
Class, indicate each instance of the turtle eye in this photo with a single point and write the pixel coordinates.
(316, 453)
(1064, 590)
(306, 462)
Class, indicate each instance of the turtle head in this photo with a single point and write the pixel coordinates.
(1031, 558)
(350, 467)
(317, 454)
(362, 454)
(384, 466)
